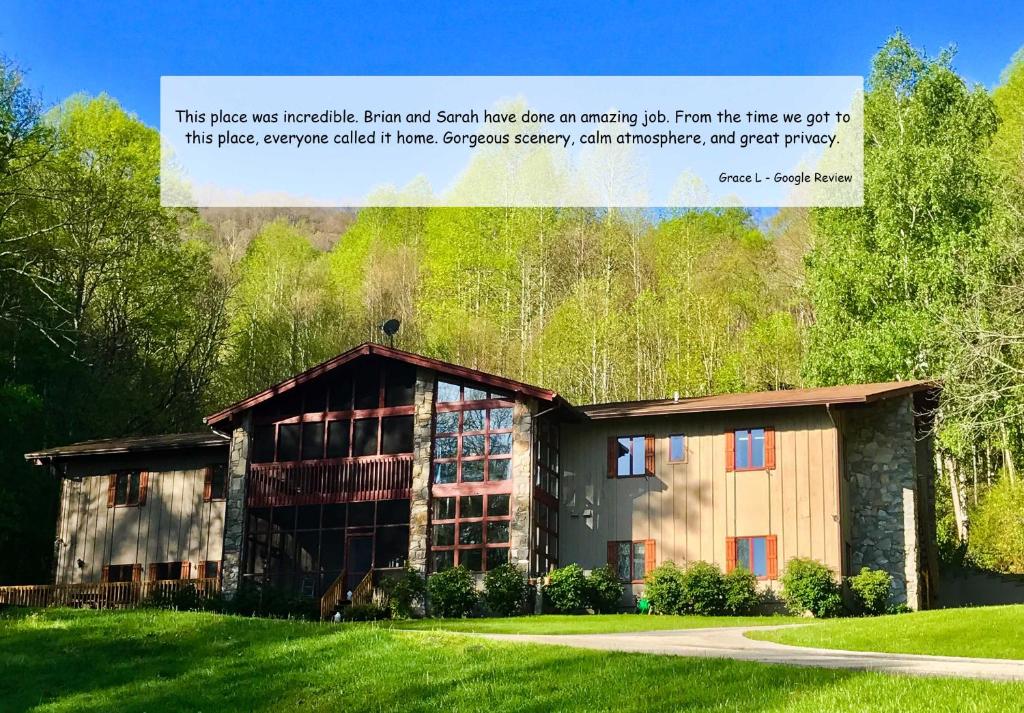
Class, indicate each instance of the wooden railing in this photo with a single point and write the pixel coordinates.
(330, 481)
(333, 596)
(363, 593)
(101, 595)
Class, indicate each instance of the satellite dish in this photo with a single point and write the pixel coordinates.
(390, 328)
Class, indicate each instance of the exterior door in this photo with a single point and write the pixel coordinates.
(360, 558)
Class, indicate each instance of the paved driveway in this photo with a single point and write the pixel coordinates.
(730, 643)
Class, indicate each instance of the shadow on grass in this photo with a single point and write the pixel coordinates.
(151, 660)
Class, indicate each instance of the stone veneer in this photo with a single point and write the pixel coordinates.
(234, 510)
(880, 457)
(522, 486)
(419, 500)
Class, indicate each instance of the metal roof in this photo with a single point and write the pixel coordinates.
(132, 444)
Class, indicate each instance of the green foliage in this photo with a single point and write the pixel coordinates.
(256, 599)
(567, 589)
(604, 590)
(405, 593)
(365, 612)
(810, 586)
(665, 587)
(699, 588)
(451, 593)
(997, 528)
(871, 590)
(505, 590)
(741, 595)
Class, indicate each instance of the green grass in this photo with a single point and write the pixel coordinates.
(985, 632)
(147, 660)
(592, 624)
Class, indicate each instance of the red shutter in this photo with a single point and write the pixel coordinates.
(730, 451)
(613, 555)
(202, 570)
(773, 557)
(208, 484)
(649, 455)
(136, 573)
(152, 572)
(111, 490)
(106, 573)
(613, 456)
(186, 570)
(143, 487)
(730, 554)
(769, 448)
(650, 556)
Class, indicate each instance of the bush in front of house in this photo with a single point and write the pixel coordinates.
(665, 588)
(741, 595)
(567, 589)
(505, 590)
(451, 593)
(809, 586)
(705, 590)
(604, 590)
(365, 612)
(871, 590)
(405, 593)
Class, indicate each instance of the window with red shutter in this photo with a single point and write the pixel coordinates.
(757, 554)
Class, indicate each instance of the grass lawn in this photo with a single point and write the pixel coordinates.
(61, 660)
(590, 624)
(986, 632)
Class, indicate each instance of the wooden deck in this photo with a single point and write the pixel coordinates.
(101, 595)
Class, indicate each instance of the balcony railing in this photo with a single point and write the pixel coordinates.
(343, 480)
(101, 595)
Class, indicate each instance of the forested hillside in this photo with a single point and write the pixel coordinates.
(118, 316)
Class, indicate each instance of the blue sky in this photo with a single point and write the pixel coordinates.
(71, 46)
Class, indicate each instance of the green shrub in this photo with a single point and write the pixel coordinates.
(452, 593)
(997, 529)
(665, 588)
(365, 612)
(505, 590)
(604, 590)
(705, 590)
(405, 593)
(808, 586)
(871, 590)
(741, 596)
(567, 589)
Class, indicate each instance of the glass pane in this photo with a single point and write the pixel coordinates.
(638, 455)
(444, 508)
(474, 394)
(445, 472)
(360, 514)
(334, 516)
(313, 440)
(471, 560)
(742, 449)
(396, 434)
(399, 385)
(472, 471)
(337, 439)
(471, 533)
(623, 461)
(501, 443)
(445, 447)
(498, 469)
(308, 517)
(623, 561)
(447, 422)
(496, 556)
(676, 447)
(472, 445)
(443, 560)
(497, 505)
(760, 555)
(121, 489)
(471, 506)
(392, 512)
(497, 531)
(743, 552)
(447, 391)
(501, 418)
(473, 420)
(757, 448)
(639, 556)
(444, 535)
(263, 444)
(134, 480)
(367, 387)
(364, 437)
(341, 395)
(288, 442)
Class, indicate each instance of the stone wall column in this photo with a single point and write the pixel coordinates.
(419, 501)
(522, 486)
(234, 507)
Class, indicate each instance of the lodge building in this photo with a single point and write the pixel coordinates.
(380, 458)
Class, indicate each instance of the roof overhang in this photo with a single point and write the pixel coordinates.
(129, 445)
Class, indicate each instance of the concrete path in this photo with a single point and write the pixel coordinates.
(730, 643)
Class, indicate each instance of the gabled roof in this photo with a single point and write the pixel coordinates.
(366, 349)
(846, 395)
(131, 444)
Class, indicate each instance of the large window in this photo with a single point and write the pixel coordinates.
(122, 573)
(471, 530)
(677, 448)
(757, 554)
(630, 456)
(215, 486)
(750, 449)
(159, 571)
(545, 496)
(127, 488)
(632, 560)
(473, 446)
